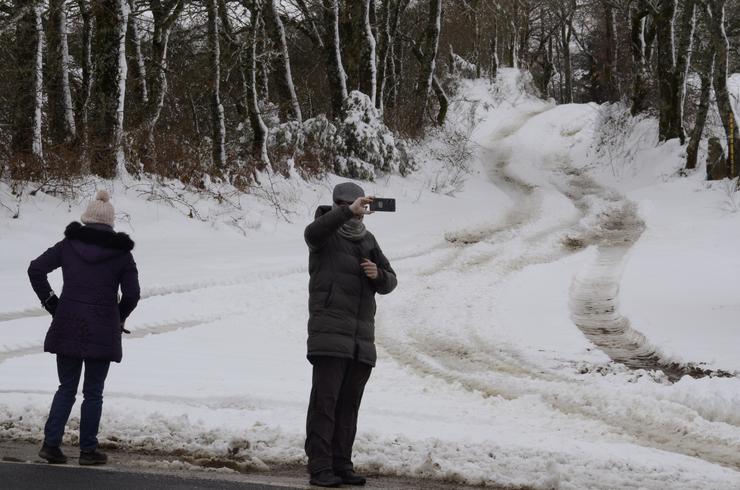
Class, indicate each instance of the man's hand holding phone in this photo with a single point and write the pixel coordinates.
(359, 207)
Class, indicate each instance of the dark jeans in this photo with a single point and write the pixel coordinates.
(331, 424)
(69, 370)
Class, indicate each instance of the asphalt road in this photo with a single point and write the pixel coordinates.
(30, 476)
(21, 469)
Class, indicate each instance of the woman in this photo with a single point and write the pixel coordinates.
(87, 320)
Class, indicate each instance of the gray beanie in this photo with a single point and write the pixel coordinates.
(99, 211)
(347, 192)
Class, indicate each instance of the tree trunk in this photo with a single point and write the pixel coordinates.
(718, 35)
(232, 49)
(494, 50)
(137, 68)
(368, 72)
(548, 69)
(285, 86)
(395, 54)
(705, 73)
(610, 81)
(218, 123)
(259, 129)
(444, 102)
(333, 53)
(474, 17)
(164, 17)
(264, 61)
(62, 128)
(384, 45)
(651, 32)
(429, 52)
(26, 139)
(566, 35)
(683, 61)
(109, 87)
(514, 44)
(667, 103)
(524, 28)
(637, 35)
(83, 99)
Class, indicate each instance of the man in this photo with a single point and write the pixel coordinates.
(346, 268)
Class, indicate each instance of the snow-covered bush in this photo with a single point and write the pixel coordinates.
(730, 194)
(463, 67)
(366, 139)
(454, 152)
(309, 146)
(360, 146)
(619, 137)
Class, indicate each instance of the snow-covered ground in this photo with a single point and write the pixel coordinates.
(494, 351)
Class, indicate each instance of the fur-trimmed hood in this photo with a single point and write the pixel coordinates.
(95, 245)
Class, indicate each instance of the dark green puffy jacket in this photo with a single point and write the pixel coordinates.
(341, 300)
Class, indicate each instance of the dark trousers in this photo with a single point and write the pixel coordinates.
(69, 370)
(331, 424)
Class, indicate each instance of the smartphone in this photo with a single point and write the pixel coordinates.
(383, 204)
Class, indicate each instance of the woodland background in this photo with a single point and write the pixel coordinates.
(228, 89)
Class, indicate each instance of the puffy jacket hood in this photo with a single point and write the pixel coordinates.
(95, 245)
(322, 210)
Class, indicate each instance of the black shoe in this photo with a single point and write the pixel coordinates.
(53, 455)
(351, 478)
(325, 478)
(93, 457)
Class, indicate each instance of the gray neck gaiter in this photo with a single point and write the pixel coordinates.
(353, 229)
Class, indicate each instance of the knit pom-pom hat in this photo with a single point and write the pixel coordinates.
(100, 210)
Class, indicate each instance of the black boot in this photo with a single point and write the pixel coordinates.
(93, 457)
(349, 477)
(325, 478)
(53, 455)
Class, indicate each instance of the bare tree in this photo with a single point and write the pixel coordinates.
(369, 71)
(164, 15)
(109, 87)
(428, 46)
(565, 12)
(27, 117)
(137, 68)
(62, 126)
(285, 84)
(85, 92)
(389, 60)
(705, 71)
(218, 122)
(259, 129)
(333, 52)
(473, 11)
(672, 63)
(716, 23)
(638, 16)
(687, 23)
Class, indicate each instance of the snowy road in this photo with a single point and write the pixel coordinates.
(496, 353)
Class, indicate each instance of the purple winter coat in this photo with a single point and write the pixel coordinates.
(88, 320)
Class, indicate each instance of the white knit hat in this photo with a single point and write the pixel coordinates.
(100, 210)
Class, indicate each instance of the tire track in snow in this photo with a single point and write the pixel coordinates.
(659, 424)
(594, 293)
(21, 314)
(475, 364)
(139, 332)
(240, 280)
(473, 350)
